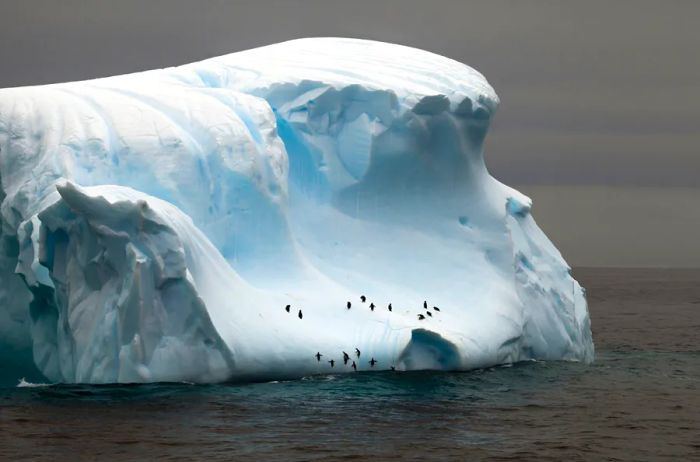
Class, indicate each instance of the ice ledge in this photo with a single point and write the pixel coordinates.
(121, 304)
(315, 170)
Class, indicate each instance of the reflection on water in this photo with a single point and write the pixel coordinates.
(636, 402)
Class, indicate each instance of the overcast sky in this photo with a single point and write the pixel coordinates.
(592, 92)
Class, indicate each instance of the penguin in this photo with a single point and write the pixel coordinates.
(332, 362)
(287, 308)
(349, 305)
(371, 306)
(357, 352)
(436, 308)
(372, 362)
(354, 366)
(393, 368)
(421, 317)
(346, 358)
(300, 315)
(390, 307)
(318, 357)
(363, 298)
(425, 304)
(429, 313)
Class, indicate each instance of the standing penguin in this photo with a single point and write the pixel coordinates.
(425, 304)
(372, 362)
(354, 366)
(371, 306)
(363, 298)
(287, 308)
(300, 315)
(349, 305)
(318, 356)
(390, 307)
(346, 358)
(357, 352)
(332, 362)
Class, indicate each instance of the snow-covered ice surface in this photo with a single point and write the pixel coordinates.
(155, 225)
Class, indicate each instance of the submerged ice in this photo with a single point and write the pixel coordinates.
(155, 226)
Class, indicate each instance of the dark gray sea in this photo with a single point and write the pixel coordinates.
(639, 401)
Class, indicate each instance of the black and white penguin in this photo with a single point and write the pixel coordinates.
(287, 308)
(318, 356)
(363, 298)
(372, 362)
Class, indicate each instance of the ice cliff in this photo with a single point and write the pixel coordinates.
(156, 225)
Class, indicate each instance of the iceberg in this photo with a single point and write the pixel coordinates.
(223, 221)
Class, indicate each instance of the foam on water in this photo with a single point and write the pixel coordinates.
(24, 384)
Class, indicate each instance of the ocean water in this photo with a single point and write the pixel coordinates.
(640, 400)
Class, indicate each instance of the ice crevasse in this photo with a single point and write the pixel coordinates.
(156, 225)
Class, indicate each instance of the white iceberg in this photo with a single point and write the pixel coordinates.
(155, 225)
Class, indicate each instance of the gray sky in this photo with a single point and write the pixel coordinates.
(593, 92)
